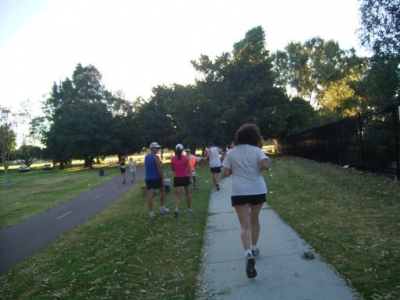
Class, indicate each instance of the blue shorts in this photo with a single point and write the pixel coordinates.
(248, 199)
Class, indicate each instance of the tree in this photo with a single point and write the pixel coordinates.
(321, 72)
(241, 87)
(380, 26)
(7, 139)
(28, 154)
(79, 119)
(380, 33)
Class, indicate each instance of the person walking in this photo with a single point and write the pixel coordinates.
(245, 162)
(193, 160)
(132, 168)
(154, 178)
(122, 168)
(214, 163)
(181, 168)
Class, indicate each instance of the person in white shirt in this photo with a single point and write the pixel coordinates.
(245, 162)
(214, 162)
(132, 168)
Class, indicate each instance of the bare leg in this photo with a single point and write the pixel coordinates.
(242, 212)
(177, 195)
(150, 196)
(255, 223)
(162, 196)
(188, 197)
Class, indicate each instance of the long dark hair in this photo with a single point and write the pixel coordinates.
(178, 153)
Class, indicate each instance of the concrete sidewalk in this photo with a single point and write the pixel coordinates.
(282, 272)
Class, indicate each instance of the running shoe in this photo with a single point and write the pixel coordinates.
(164, 210)
(255, 252)
(152, 214)
(189, 210)
(176, 214)
(250, 266)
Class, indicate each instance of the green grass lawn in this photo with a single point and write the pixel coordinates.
(350, 218)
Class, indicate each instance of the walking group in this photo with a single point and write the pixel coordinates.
(244, 162)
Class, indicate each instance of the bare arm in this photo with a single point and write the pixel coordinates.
(265, 164)
(159, 167)
(227, 172)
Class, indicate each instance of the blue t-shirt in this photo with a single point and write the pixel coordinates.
(151, 168)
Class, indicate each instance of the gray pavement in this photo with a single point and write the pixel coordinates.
(282, 272)
(22, 240)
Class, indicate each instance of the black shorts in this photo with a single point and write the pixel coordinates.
(181, 181)
(248, 199)
(215, 170)
(154, 184)
(122, 170)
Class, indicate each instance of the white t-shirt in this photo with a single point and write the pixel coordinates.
(213, 155)
(244, 161)
(132, 166)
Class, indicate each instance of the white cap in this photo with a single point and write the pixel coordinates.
(179, 147)
(154, 145)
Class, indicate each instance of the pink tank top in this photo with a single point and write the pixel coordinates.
(180, 166)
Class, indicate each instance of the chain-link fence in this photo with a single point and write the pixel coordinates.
(367, 142)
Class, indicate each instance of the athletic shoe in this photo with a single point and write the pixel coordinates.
(164, 210)
(152, 214)
(255, 252)
(189, 210)
(250, 266)
(176, 214)
(217, 187)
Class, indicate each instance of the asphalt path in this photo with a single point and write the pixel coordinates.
(22, 240)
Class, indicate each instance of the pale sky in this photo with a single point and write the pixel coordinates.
(137, 45)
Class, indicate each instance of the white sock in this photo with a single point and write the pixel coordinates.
(254, 247)
(248, 251)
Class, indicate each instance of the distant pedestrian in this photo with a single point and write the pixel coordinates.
(181, 168)
(214, 162)
(154, 178)
(245, 162)
(122, 168)
(193, 160)
(132, 168)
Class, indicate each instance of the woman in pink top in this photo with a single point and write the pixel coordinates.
(181, 168)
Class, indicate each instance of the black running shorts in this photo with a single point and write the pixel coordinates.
(181, 181)
(154, 184)
(215, 170)
(248, 199)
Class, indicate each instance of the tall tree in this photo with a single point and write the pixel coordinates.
(241, 88)
(316, 69)
(79, 118)
(380, 33)
(380, 26)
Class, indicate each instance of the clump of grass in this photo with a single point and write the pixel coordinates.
(351, 218)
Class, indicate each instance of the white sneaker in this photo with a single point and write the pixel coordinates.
(189, 210)
(152, 214)
(164, 210)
